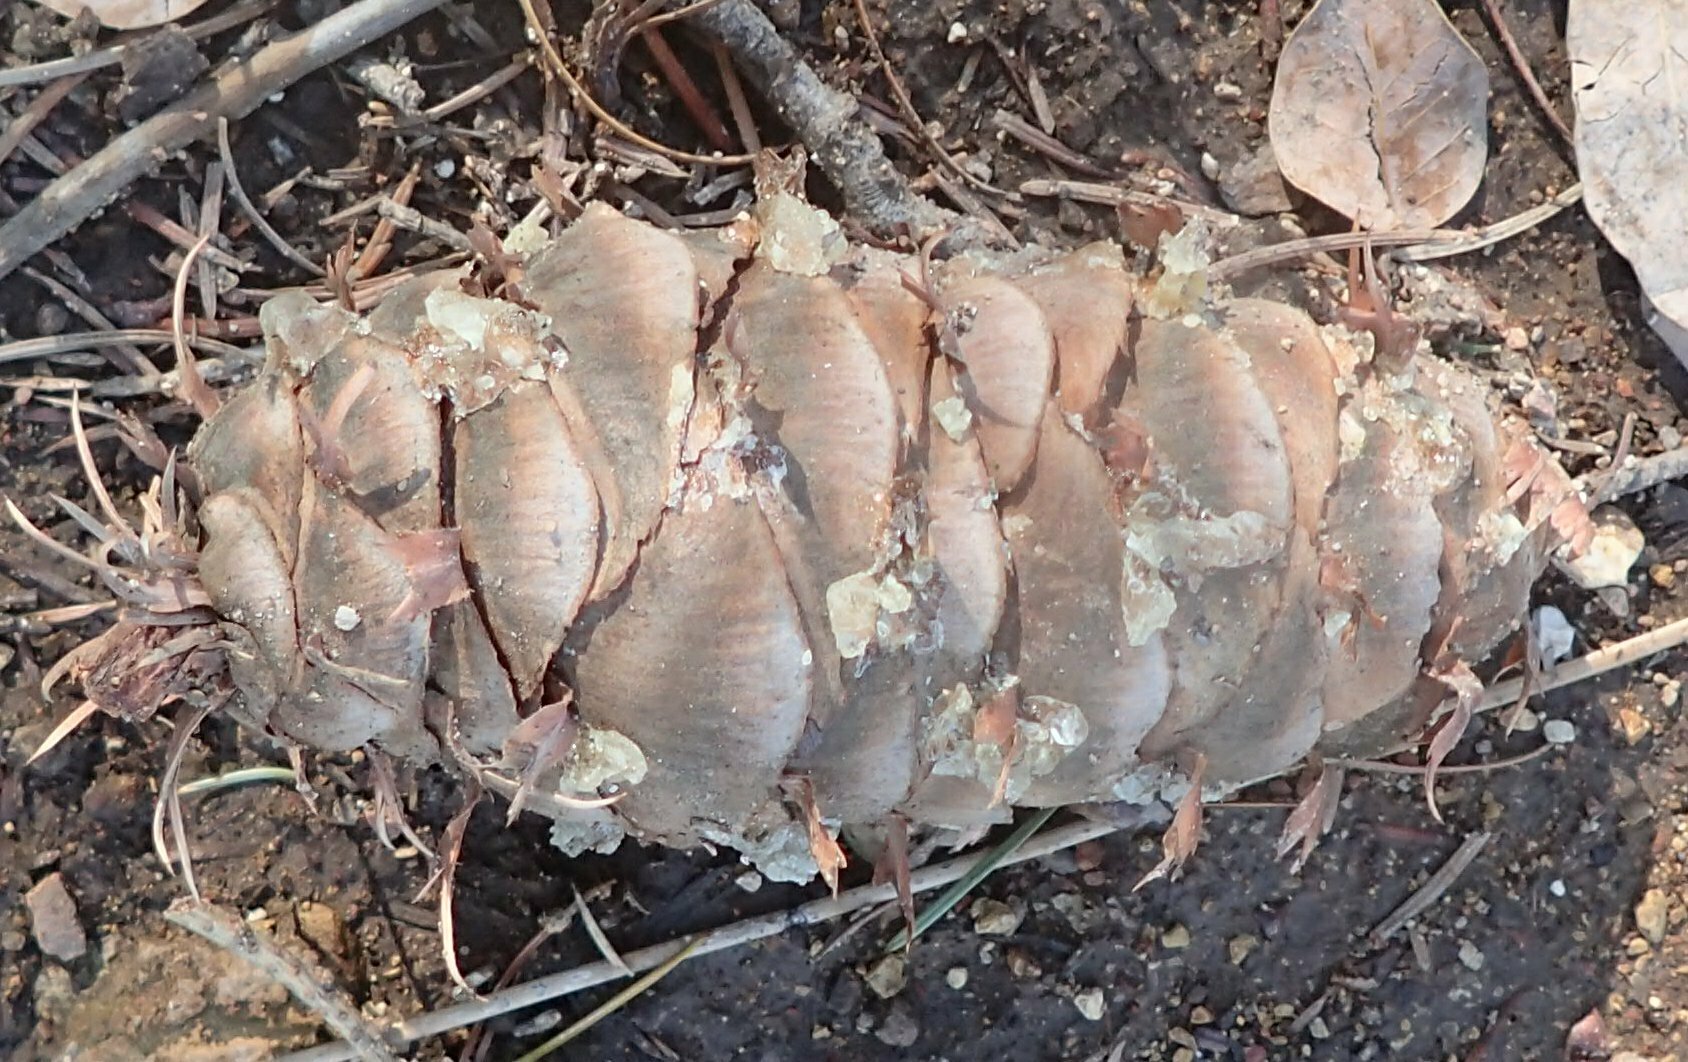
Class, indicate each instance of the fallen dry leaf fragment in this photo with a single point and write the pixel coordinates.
(1378, 109)
(1313, 814)
(126, 14)
(1629, 63)
(1467, 690)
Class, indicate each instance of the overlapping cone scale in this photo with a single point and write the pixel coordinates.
(941, 538)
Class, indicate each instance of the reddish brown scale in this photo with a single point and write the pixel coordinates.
(761, 505)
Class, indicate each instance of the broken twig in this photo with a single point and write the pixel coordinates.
(1433, 888)
(77, 196)
(310, 987)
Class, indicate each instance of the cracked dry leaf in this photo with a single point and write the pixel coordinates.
(126, 14)
(1378, 110)
(1629, 82)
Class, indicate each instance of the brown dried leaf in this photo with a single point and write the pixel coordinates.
(1179, 842)
(829, 857)
(1629, 63)
(1378, 109)
(126, 14)
(538, 743)
(1467, 689)
(893, 866)
(1314, 814)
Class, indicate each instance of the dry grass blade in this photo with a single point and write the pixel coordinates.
(193, 386)
(980, 870)
(169, 804)
(63, 729)
(596, 932)
(236, 778)
(250, 209)
(1466, 689)
(96, 482)
(815, 912)
(451, 849)
(1179, 842)
(611, 1005)
(1313, 815)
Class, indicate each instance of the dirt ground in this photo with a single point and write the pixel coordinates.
(1573, 911)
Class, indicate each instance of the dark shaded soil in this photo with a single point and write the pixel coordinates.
(1241, 958)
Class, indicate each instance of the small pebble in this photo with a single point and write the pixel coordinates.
(957, 32)
(1632, 725)
(1556, 887)
(1555, 637)
(346, 618)
(1090, 1003)
(749, 881)
(1175, 938)
(899, 1028)
(1651, 915)
(1239, 948)
(956, 977)
(887, 976)
(993, 918)
(53, 920)
(1469, 956)
(1559, 731)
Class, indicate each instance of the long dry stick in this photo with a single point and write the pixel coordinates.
(815, 912)
(73, 198)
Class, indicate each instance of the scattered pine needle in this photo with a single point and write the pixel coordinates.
(978, 872)
(613, 1004)
(596, 932)
(63, 729)
(236, 778)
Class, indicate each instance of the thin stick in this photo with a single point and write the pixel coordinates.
(1610, 658)
(1417, 245)
(975, 874)
(1385, 767)
(1113, 195)
(1433, 887)
(610, 1006)
(911, 116)
(247, 207)
(34, 114)
(47, 346)
(815, 912)
(311, 987)
(72, 199)
(555, 63)
(1523, 67)
(1641, 474)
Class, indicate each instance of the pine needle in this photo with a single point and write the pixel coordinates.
(977, 873)
(611, 1005)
